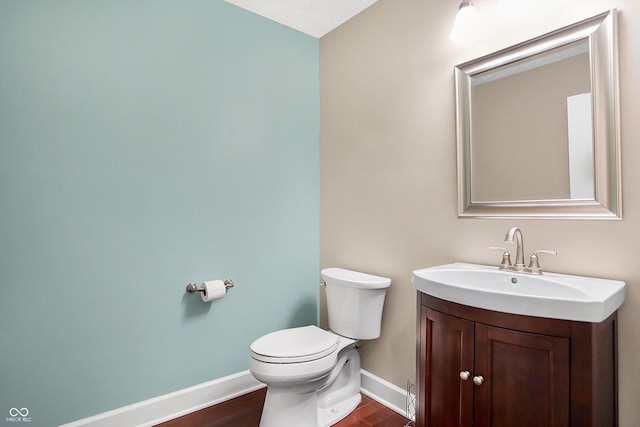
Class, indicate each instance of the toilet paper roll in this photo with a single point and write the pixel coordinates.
(213, 289)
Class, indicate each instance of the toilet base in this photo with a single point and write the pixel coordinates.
(342, 393)
(319, 403)
(301, 411)
(330, 416)
(283, 408)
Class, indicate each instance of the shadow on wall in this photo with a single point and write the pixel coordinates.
(193, 306)
(305, 314)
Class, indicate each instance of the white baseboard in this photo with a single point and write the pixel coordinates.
(390, 395)
(173, 405)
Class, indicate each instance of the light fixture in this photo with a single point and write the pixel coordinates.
(464, 20)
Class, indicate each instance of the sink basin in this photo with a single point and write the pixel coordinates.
(557, 296)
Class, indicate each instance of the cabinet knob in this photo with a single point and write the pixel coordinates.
(465, 375)
(478, 380)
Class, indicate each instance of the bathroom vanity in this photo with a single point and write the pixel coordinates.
(504, 348)
(479, 367)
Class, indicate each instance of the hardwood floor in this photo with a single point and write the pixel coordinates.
(244, 411)
(372, 414)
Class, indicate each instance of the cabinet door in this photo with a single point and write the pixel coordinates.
(447, 344)
(525, 379)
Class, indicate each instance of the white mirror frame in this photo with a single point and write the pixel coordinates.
(601, 33)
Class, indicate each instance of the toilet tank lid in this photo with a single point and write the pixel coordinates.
(354, 279)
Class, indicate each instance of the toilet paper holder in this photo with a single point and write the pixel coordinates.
(193, 288)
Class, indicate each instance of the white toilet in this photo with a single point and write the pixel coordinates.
(313, 375)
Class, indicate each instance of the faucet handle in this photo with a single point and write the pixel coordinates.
(534, 266)
(506, 256)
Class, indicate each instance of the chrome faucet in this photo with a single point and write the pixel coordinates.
(517, 233)
(534, 266)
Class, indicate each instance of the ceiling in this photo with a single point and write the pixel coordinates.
(313, 17)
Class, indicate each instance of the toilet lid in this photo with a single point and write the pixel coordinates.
(294, 345)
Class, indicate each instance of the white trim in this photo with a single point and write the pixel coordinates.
(173, 405)
(382, 391)
(167, 407)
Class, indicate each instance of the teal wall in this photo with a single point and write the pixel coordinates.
(145, 144)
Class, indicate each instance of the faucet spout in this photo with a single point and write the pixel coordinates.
(515, 232)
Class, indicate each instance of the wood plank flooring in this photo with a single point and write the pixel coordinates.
(244, 411)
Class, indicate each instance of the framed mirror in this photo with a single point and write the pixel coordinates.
(537, 127)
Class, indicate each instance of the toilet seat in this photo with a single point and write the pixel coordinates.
(295, 345)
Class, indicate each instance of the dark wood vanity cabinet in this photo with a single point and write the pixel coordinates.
(484, 368)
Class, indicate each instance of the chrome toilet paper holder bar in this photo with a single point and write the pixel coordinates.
(193, 288)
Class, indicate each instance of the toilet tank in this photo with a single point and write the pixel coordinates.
(354, 302)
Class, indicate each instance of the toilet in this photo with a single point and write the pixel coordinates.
(313, 375)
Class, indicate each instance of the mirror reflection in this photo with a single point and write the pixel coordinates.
(522, 120)
(537, 127)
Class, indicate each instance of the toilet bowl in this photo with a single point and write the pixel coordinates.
(313, 375)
